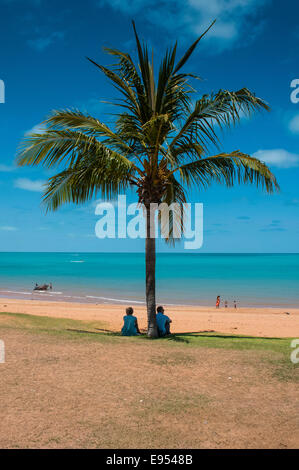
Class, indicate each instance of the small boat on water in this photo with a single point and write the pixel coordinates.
(43, 287)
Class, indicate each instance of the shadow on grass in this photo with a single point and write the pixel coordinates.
(100, 332)
(225, 340)
(76, 330)
(179, 337)
(199, 334)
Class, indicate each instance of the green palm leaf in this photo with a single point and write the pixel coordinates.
(228, 169)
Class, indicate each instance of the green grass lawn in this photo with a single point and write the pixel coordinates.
(273, 350)
(97, 331)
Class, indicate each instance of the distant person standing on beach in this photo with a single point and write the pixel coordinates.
(218, 301)
(225, 304)
(235, 304)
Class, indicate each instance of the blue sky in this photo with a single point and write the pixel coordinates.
(42, 63)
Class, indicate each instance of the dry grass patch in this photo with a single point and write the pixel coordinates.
(71, 385)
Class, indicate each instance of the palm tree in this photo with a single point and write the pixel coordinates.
(159, 144)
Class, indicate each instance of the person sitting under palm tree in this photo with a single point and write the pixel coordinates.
(163, 322)
(130, 327)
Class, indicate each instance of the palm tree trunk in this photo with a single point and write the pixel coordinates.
(150, 267)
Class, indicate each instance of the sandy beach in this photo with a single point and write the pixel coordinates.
(263, 322)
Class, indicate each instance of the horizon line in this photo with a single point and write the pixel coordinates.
(161, 252)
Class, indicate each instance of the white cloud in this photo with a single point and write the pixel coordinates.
(29, 185)
(294, 124)
(6, 168)
(41, 43)
(192, 16)
(93, 106)
(114, 202)
(278, 157)
(293, 202)
(8, 228)
(38, 129)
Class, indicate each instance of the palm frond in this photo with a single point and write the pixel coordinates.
(107, 174)
(165, 74)
(72, 127)
(122, 86)
(228, 168)
(55, 147)
(214, 112)
(77, 120)
(125, 67)
(147, 72)
(191, 49)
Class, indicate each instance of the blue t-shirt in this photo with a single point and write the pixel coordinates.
(129, 328)
(161, 322)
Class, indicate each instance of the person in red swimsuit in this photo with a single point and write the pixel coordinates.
(218, 301)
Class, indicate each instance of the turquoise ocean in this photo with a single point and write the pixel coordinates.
(191, 278)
